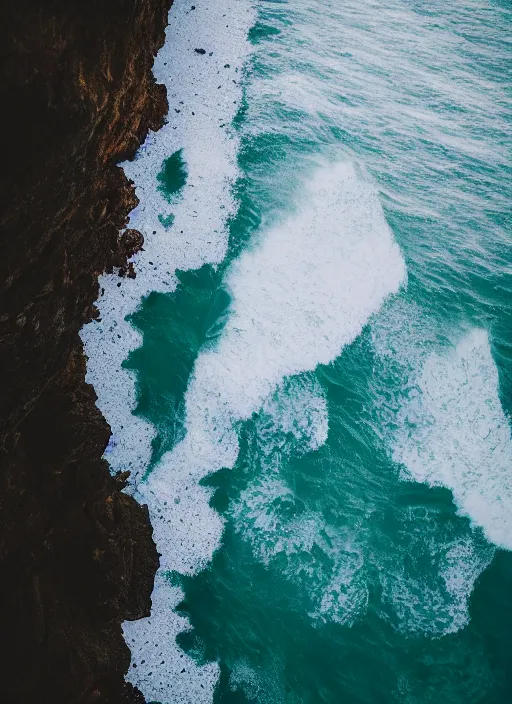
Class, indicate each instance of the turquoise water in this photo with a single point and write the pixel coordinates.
(340, 383)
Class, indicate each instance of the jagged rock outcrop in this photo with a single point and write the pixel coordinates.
(76, 555)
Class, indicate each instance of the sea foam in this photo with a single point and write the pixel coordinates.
(303, 292)
(427, 568)
(204, 93)
(453, 432)
(183, 232)
(278, 525)
(442, 421)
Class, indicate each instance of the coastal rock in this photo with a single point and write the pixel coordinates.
(77, 555)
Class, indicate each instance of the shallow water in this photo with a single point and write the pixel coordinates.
(318, 358)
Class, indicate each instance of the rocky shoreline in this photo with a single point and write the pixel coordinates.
(77, 555)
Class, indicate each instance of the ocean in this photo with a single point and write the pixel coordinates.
(310, 379)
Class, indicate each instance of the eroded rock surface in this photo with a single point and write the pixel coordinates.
(77, 556)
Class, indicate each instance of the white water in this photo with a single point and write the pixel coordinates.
(267, 513)
(436, 602)
(198, 235)
(445, 426)
(301, 295)
(454, 433)
(204, 93)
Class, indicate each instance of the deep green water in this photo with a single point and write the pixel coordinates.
(368, 515)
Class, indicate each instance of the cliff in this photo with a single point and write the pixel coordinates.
(76, 555)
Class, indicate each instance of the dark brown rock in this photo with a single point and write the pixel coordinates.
(76, 555)
(131, 242)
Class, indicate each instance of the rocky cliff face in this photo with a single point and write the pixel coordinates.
(76, 555)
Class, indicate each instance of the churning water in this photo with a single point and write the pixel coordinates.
(310, 379)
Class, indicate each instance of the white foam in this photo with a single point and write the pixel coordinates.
(403, 333)
(344, 598)
(453, 432)
(301, 295)
(427, 581)
(202, 129)
(262, 514)
(161, 670)
(307, 290)
(271, 519)
(244, 677)
(464, 563)
(278, 527)
(204, 93)
(294, 420)
(294, 417)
